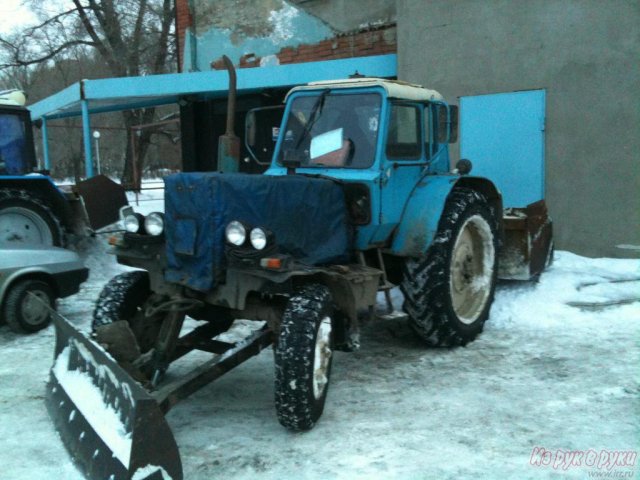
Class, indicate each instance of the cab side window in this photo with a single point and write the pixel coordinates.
(429, 141)
(405, 134)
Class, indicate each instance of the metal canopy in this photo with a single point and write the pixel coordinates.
(128, 93)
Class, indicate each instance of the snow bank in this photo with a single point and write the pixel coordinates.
(570, 279)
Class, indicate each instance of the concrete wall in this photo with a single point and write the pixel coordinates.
(239, 27)
(271, 32)
(585, 54)
(348, 15)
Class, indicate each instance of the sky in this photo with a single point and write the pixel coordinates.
(13, 15)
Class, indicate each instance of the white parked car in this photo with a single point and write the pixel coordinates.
(31, 279)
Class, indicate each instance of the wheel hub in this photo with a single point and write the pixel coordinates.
(34, 307)
(472, 262)
(21, 225)
(322, 357)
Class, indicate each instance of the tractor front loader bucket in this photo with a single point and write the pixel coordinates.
(112, 428)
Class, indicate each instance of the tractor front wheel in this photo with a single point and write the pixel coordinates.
(123, 298)
(449, 292)
(303, 356)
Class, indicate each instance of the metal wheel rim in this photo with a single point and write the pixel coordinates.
(22, 225)
(322, 357)
(472, 263)
(33, 307)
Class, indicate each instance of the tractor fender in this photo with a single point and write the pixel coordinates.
(421, 216)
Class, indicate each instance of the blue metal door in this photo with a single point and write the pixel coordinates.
(503, 136)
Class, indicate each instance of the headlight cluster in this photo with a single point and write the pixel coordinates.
(236, 234)
(153, 224)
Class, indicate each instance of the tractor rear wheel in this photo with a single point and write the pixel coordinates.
(303, 355)
(26, 219)
(449, 292)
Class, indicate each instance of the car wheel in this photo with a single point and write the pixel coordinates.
(27, 306)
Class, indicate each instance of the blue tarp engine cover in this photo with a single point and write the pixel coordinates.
(308, 217)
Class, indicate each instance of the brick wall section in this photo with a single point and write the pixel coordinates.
(373, 41)
(359, 44)
(183, 21)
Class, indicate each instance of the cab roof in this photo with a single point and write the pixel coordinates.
(14, 98)
(394, 88)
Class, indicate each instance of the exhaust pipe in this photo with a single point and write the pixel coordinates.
(229, 143)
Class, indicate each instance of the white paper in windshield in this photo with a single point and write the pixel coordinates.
(325, 143)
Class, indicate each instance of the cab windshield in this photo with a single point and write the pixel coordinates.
(332, 130)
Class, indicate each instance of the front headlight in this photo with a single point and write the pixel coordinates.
(236, 233)
(154, 224)
(133, 223)
(258, 238)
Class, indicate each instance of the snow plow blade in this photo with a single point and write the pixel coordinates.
(112, 428)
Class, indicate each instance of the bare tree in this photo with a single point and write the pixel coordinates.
(132, 37)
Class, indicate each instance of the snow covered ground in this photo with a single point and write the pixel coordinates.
(544, 374)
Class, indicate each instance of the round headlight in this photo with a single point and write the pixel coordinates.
(236, 233)
(258, 238)
(154, 223)
(133, 223)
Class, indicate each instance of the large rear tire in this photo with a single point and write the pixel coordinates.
(26, 219)
(448, 293)
(303, 357)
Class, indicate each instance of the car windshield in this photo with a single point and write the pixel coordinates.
(330, 130)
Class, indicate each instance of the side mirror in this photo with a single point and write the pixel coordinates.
(447, 123)
(262, 126)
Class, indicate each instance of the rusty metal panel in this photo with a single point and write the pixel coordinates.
(528, 241)
(102, 199)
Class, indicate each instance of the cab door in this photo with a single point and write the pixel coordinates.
(406, 149)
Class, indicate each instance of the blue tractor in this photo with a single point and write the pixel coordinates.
(359, 198)
(33, 209)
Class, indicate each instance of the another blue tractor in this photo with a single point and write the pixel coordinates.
(359, 198)
(33, 209)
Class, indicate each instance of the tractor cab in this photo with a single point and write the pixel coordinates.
(378, 137)
(363, 123)
(17, 155)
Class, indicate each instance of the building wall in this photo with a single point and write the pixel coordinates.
(348, 15)
(272, 32)
(585, 54)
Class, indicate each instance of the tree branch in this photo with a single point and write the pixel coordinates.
(161, 56)
(17, 62)
(107, 55)
(49, 21)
